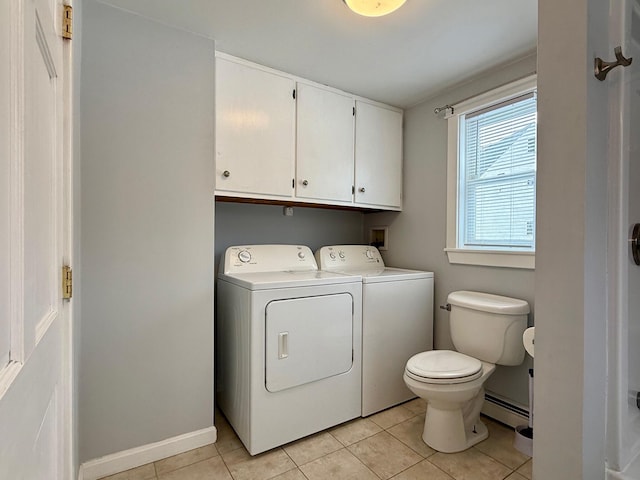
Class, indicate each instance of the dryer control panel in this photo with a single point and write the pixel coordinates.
(349, 257)
(268, 258)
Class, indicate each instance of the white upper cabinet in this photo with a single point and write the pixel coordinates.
(255, 130)
(324, 144)
(378, 157)
(281, 138)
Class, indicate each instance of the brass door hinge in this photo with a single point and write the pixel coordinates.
(67, 282)
(67, 22)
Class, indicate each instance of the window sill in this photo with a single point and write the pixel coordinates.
(492, 258)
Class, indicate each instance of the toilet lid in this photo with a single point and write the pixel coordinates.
(443, 366)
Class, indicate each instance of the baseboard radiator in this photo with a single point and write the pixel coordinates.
(505, 411)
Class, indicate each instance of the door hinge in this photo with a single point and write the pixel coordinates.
(67, 282)
(67, 22)
(293, 183)
(353, 189)
(294, 93)
(354, 111)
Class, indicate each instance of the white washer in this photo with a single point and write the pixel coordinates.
(397, 320)
(289, 344)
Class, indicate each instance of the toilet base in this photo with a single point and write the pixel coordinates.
(444, 431)
(453, 427)
(452, 421)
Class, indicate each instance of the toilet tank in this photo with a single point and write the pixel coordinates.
(488, 327)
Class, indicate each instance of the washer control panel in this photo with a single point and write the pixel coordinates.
(268, 258)
(352, 257)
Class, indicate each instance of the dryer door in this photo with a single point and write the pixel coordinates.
(307, 339)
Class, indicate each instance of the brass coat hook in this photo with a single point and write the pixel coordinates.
(602, 68)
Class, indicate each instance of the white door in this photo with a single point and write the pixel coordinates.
(324, 144)
(630, 208)
(378, 155)
(35, 418)
(255, 129)
(623, 428)
(632, 89)
(307, 339)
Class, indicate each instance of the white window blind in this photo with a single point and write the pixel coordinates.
(497, 176)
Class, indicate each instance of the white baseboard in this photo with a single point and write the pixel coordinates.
(503, 414)
(152, 452)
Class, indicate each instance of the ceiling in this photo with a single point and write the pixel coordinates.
(400, 59)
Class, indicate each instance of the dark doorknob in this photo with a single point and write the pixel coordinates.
(635, 243)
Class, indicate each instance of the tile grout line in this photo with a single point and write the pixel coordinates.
(386, 430)
(304, 474)
(500, 462)
(436, 466)
(297, 467)
(224, 462)
(155, 467)
(404, 470)
(363, 464)
(338, 440)
(411, 448)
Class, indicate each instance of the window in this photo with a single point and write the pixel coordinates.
(491, 185)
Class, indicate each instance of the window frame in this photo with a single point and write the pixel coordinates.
(485, 257)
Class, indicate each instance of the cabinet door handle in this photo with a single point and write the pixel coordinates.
(226, 173)
(305, 182)
(361, 189)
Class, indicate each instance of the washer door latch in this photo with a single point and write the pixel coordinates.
(635, 243)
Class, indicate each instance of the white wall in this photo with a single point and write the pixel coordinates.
(417, 234)
(146, 348)
(570, 292)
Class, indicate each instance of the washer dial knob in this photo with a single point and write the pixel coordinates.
(369, 254)
(341, 254)
(301, 255)
(244, 256)
(332, 255)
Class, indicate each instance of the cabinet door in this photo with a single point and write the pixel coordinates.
(324, 144)
(255, 143)
(378, 156)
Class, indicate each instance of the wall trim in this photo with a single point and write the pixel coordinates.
(152, 452)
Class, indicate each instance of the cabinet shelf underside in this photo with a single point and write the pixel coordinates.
(291, 203)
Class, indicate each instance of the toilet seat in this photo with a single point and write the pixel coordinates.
(444, 367)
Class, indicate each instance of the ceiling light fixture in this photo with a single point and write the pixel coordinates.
(374, 8)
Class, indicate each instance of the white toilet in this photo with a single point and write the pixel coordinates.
(486, 331)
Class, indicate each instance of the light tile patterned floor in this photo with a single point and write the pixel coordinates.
(387, 445)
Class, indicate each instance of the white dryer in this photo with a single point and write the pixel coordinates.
(289, 344)
(397, 320)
